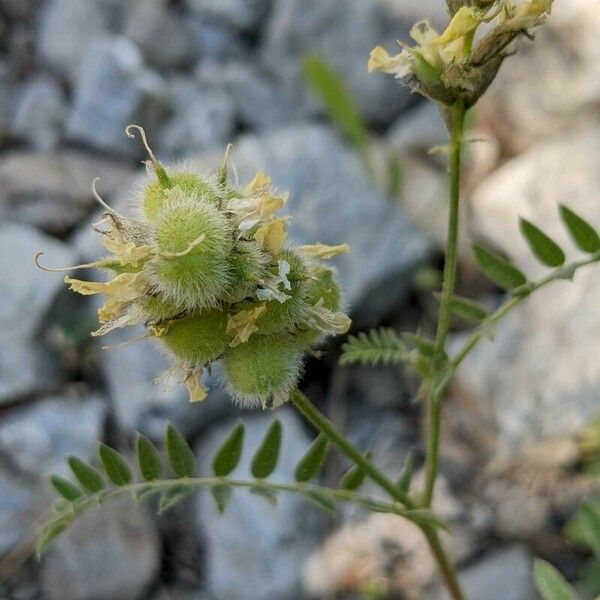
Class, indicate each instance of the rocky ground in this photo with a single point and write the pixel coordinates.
(198, 74)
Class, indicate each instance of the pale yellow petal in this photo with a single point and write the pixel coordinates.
(323, 251)
(196, 390)
(259, 183)
(127, 253)
(271, 236)
(243, 324)
(464, 22)
(399, 64)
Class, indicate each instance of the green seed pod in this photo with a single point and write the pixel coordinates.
(285, 316)
(158, 308)
(198, 338)
(322, 286)
(263, 371)
(193, 242)
(247, 264)
(155, 194)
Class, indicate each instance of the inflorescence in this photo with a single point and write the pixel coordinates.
(204, 267)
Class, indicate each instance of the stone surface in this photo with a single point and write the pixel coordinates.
(242, 14)
(203, 118)
(343, 32)
(67, 28)
(39, 113)
(27, 296)
(108, 553)
(113, 90)
(54, 191)
(35, 441)
(549, 85)
(166, 40)
(254, 550)
(333, 201)
(505, 574)
(540, 377)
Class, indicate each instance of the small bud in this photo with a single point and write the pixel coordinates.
(193, 186)
(198, 338)
(193, 242)
(263, 371)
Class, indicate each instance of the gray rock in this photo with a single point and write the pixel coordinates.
(39, 113)
(37, 439)
(67, 28)
(420, 129)
(21, 9)
(203, 118)
(219, 41)
(108, 553)
(242, 14)
(255, 550)
(166, 40)
(343, 32)
(259, 102)
(54, 191)
(332, 201)
(34, 442)
(27, 295)
(113, 90)
(503, 575)
(539, 378)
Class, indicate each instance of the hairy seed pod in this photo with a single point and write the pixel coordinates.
(285, 316)
(322, 287)
(193, 242)
(158, 308)
(247, 264)
(155, 195)
(198, 338)
(264, 370)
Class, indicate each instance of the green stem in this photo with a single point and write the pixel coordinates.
(434, 402)
(323, 424)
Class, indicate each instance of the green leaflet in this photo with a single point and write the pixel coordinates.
(312, 461)
(86, 475)
(498, 270)
(221, 495)
(546, 250)
(583, 234)
(180, 455)
(148, 458)
(117, 470)
(65, 488)
(550, 583)
(265, 458)
(406, 473)
(589, 515)
(467, 309)
(336, 99)
(228, 455)
(353, 478)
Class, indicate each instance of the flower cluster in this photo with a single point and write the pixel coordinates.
(455, 65)
(204, 267)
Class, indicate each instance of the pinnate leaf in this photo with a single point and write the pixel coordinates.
(86, 475)
(584, 236)
(148, 458)
(498, 270)
(180, 455)
(312, 461)
(546, 250)
(117, 470)
(228, 455)
(265, 458)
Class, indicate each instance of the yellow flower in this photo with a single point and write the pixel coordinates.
(464, 22)
(398, 65)
(196, 390)
(328, 321)
(243, 324)
(271, 236)
(323, 251)
(127, 253)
